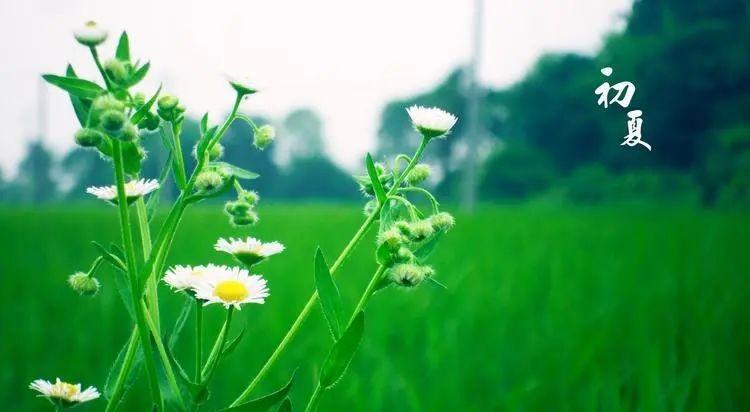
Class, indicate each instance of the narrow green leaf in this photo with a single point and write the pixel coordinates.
(435, 282)
(75, 86)
(264, 403)
(109, 385)
(81, 107)
(200, 147)
(377, 186)
(235, 171)
(109, 257)
(123, 48)
(141, 112)
(138, 75)
(204, 123)
(286, 406)
(153, 199)
(342, 352)
(180, 322)
(132, 156)
(232, 344)
(330, 299)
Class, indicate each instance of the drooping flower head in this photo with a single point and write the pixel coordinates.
(431, 122)
(91, 34)
(188, 277)
(133, 190)
(231, 287)
(62, 393)
(249, 251)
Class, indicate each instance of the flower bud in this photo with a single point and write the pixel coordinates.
(129, 133)
(88, 137)
(150, 122)
(407, 274)
(249, 218)
(442, 221)
(208, 180)
(112, 122)
(237, 208)
(139, 99)
(370, 207)
(116, 70)
(83, 284)
(169, 108)
(392, 238)
(264, 136)
(108, 102)
(216, 152)
(91, 34)
(404, 255)
(167, 102)
(418, 174)
(420, 230)
(250, 196)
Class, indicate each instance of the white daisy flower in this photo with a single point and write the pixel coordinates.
(188, 277)
(231, 287)
(133, 190)
(431, 122)
(62, 393)
(249, 251)
(91, 34)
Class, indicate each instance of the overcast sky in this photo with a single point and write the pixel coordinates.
(344, 58)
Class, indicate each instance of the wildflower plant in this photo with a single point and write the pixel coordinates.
(114, 120)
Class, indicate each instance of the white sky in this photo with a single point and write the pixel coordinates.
(345, 59)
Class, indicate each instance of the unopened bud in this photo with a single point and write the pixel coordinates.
(129, 133)
(216, 152)
(83, 284)
(392, 238)
(420, 230)
(167, 102)
(418, 174)
(112, 122)
(250, 196)
(91, 34)
(249, 218)
(88, 137)
(442, 221)
(404, 255)
(407, 274)
(139, 99)
(108, 102)
(237, 207)
(150, 122)
(116, 70)
(264, 136)
(208, 181)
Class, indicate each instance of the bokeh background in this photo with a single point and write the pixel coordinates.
(582, 274)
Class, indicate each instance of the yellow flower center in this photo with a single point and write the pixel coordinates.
(231, 291)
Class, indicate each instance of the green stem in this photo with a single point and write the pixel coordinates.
(215, 355)
(127, 243)
(171, 379)
(152, 294)
(369, 291)
(198, 339)
(339, 261)
(95, 55)
(180, 167)
(122, 376)
(312, 405)
(428, 195)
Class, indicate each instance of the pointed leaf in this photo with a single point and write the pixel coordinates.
(235, 171)
(138, 75)
(286, 406)
(204, 123)
(232, 344)
(427, 246)
(75, 86)
(342, 352)
(141, 112)
(81, 107)
(264, 403)
(435, 283)
(123, 48)
(330, 299)
(180, 322)
(377, 186)
(109, 385)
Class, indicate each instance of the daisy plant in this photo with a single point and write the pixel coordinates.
(114, 120)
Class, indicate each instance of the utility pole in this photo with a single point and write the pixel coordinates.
(469, 195)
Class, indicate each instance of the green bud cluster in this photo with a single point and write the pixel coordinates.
(409, 274)
(241, 212)
(216, 152)
(418, 174)
(264, 136)
(169, 108)
(209, 180)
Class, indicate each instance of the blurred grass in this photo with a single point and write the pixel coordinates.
(547, 309)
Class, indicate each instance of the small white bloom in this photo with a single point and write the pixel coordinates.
(249, 251)
(133, 190)
(188, 277)
(231, 287)
(431, 122)
(91, 34)
(64, 393)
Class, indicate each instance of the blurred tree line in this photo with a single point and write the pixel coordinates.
(546, 135)
(294, 167)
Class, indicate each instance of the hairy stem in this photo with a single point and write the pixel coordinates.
(152, 294)
(198, 339)
(127, 243)
(171, 379)
(215, 355)
(339, 261)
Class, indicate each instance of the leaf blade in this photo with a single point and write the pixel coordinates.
(329, 296)
(123, 48)
(78, 87)
(265, 402)
(342, 352)
(377, 186)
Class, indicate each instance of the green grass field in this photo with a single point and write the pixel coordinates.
(548, 309)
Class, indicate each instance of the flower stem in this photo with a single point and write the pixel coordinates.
(215, 355)
(336, 265)
(152, 295)
(198, 340)
(127, 243)
(369, 291)
(171, 379)
(312, 405)
(122, 376)
(98, 63)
